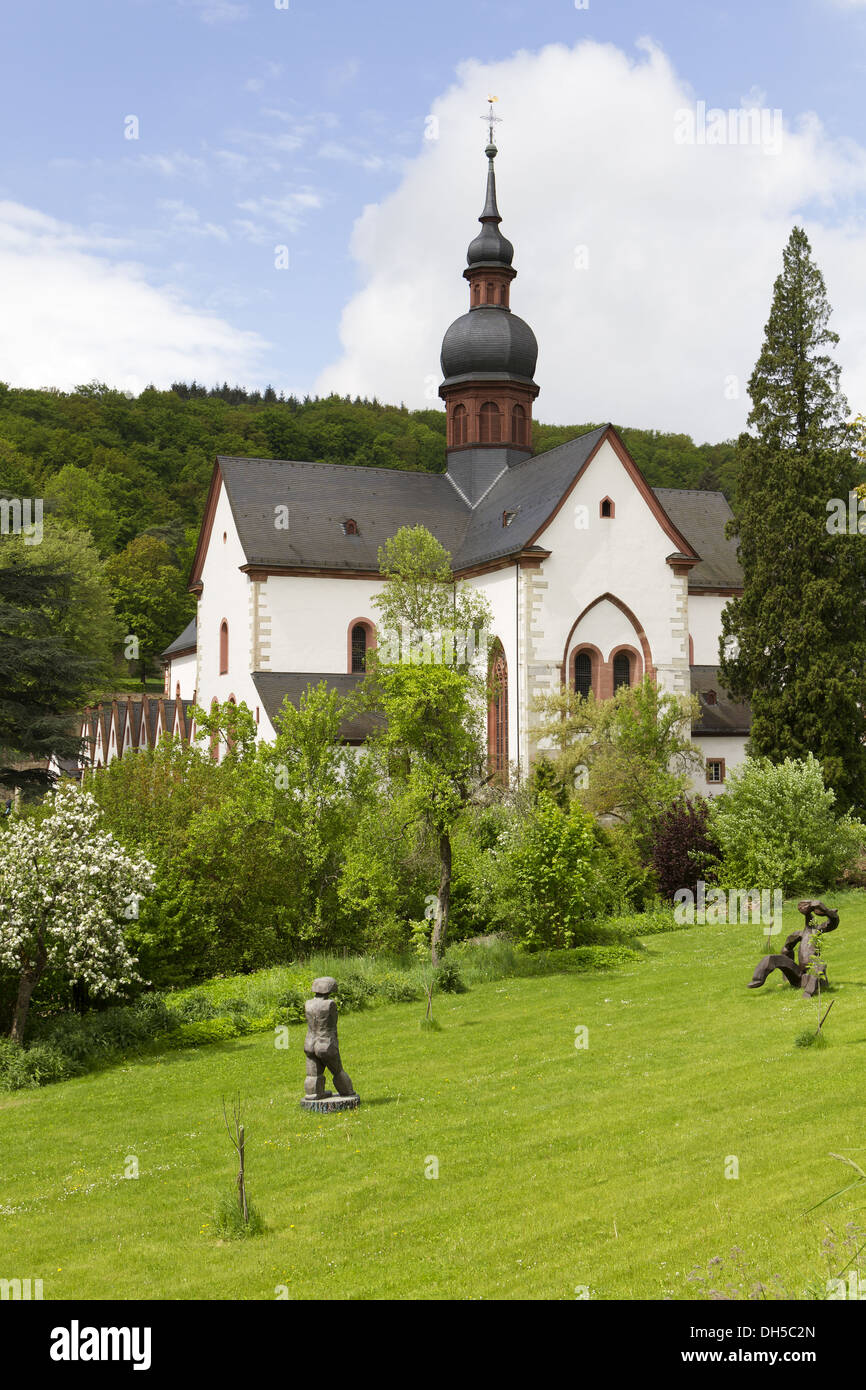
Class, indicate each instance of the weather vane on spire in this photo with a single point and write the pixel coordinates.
(491, 119)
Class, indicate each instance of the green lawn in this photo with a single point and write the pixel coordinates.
(558, 1168)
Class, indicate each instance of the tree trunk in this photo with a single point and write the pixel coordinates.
(443, 900)
(26, 986)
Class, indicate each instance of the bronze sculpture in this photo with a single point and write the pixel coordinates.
(796, 970)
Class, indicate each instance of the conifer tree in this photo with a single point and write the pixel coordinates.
(794, 644)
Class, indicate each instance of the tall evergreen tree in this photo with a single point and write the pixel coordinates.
(794, 644)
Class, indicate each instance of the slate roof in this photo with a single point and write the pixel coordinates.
(701, 517)
(726, 716)
(186, 642)
(320, 496)
(274, 686)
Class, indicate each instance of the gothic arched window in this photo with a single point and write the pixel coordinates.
(224, 647)
(497, 716)
(621, 670)
(518, 425)
(490, 423)
(490, 294)
(583, 673)
(460, 425)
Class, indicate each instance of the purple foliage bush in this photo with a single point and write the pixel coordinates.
(683, 846)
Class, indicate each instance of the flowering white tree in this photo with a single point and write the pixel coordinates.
(67, 890)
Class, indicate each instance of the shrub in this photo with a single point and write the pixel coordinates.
(777, 828)
(684, 848)
(447, 977)
(551, 860)
(37, 1065)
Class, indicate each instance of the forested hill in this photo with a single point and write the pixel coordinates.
(119, 466)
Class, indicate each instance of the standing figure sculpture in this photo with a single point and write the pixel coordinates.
(322, 1050)
(796, 971)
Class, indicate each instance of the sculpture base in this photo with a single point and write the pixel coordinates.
(330, 1104)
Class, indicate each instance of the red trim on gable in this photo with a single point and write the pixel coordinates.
(640, 483)
(206, 527)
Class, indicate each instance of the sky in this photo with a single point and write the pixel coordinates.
(282, 192)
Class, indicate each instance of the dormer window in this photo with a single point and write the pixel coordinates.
(350, 527)
(606, 508)
(508, 517)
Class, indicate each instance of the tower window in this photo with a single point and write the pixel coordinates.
(476, 292)
(490, 423)
(503, 294)
(621, 670)
(490, 293)
(518, 425)
(224, 647)
(583, 673)
(460, 425)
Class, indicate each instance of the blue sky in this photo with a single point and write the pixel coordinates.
(261, 127)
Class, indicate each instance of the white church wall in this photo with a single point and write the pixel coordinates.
(310, 618)
(500, 590)
(624, 555)
(705, 627)
(225, 595)
(181, 669)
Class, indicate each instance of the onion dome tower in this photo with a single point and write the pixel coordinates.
(488, 360)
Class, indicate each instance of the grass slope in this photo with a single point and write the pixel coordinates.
(558, 1168)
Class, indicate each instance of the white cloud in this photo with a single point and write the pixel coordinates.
(684, 243)
(71, 314)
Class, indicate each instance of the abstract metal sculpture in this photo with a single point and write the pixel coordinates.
(796, 970)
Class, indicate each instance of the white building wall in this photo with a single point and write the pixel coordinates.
(183, 669)
(731, 747)
(624, 555)
(705, 627)
(225, 595)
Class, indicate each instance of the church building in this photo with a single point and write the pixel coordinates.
(593, 577)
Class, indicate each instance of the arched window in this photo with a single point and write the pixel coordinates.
(583, 673)
(490, 295)
(490, 423)
(497, 716)
(621, 670)
(350, 527)
(359, 647)
(361, 639)
(606, 507)
(476, 292)
(224, 647)
(460, 425)
(503, 294)
(518, 425)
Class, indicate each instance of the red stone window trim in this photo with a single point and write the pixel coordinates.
(607, 508)
(582, 654)
(460, 425)
(224, 647)
(356, 650)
